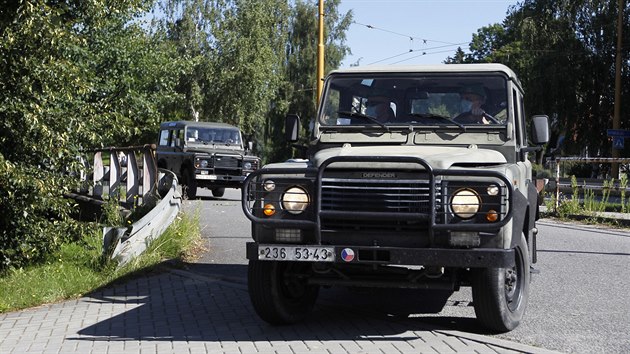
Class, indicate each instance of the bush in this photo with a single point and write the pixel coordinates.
(35, 218)
(579, 170)
(539, 171)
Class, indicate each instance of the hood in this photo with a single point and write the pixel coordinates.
(214, 150)
(439, 157)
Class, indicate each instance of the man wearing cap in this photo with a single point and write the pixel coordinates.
(472, 98)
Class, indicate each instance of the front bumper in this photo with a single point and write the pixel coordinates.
(440, 257)
(220, 178)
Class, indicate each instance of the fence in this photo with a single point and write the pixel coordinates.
(592, 183)
(130, 176)
(133, 168)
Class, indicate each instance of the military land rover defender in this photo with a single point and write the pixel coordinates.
(203, 154)
(415, 177)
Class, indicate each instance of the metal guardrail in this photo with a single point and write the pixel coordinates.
(586, 183)
(134, 168)
(130, 176)
(127, 243)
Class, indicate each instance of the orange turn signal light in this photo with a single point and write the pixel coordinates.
(492, 216)
(269, 210)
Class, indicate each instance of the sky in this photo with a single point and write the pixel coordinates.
(437, 27)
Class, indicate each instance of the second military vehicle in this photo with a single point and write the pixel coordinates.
(205, 154)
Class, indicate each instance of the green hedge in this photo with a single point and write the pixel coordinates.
(34, 216)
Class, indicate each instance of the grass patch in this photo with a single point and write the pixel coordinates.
(78, 268)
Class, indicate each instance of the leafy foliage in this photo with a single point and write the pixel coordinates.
(34, 220)
(564, 53)
(78, 74)
(72, 75)
(297, 92)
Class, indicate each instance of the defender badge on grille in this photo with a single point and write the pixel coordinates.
(347, 254)
(378, 175)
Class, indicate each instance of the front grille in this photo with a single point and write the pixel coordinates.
(376, 205)
(228, 162)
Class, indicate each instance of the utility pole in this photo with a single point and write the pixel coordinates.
(320, 52)
(617, 114)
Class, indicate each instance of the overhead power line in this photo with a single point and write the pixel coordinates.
(425, 51)
(412, 38)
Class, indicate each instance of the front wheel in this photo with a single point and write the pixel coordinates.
(189, 185)
(279, 291)
(500, 294)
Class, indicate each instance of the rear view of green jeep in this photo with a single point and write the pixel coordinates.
(415, 177)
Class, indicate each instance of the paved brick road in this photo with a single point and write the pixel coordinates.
(180, 312)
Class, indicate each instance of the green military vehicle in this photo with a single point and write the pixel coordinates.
(414, 177)
(205, 154)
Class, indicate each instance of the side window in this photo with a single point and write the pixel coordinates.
(164, 137)
(176, 138)
(331, 106)
(172, 139)
(180, 137)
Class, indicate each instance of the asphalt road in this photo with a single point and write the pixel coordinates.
(578, 302)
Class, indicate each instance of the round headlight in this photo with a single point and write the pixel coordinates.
(247, 166)
(269, 185)
(493, 189)
(204, 163)
(465, 203)
(295, 200)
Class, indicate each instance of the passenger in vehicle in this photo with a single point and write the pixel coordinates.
(472, 99)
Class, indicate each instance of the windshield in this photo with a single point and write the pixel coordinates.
(204, 135)
(431, 100)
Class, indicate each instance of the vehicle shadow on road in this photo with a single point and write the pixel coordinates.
(173, 307)
(217, 199)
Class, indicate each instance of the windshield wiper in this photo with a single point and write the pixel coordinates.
(363, 116)
(437, 116)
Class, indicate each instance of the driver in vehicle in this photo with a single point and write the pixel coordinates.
(380, 108)
(472, 99)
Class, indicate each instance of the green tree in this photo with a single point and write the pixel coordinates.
(73, 75)
(298, 89)
(460, 57)
(234, 51)
(563, 52)
(248, 59)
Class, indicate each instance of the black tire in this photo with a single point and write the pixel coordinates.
(189, 185)
(218, 192)
(500, 294)
(278, 293)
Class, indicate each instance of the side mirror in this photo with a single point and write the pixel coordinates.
(292, 128)
(540, 130)
(250, 145)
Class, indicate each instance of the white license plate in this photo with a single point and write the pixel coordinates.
(291, 253)
(210, 177)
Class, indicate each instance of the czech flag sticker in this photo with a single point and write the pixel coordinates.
(347, 254)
